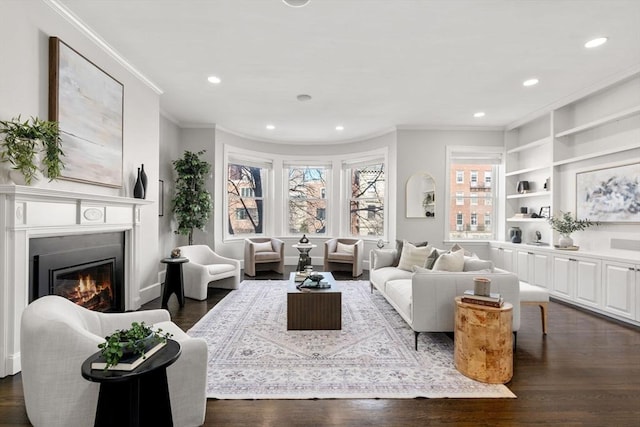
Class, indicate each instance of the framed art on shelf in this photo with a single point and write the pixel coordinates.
(609, 194)
(88, 104)
(545, 212)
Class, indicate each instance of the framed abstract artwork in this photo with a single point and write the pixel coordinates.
(609, 194)
(88, 105)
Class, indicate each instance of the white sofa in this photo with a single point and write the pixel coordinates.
(425, 299)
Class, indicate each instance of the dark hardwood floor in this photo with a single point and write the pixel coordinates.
(585, 372)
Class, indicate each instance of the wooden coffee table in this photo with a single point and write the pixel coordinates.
(309, 309)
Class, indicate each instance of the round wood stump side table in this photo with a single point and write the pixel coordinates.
(483, 342)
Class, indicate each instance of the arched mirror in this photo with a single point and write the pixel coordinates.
(421, 196)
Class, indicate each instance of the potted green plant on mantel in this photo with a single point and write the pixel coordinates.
(30, 147)
(137, 339)
(565, 224)
(192, 202)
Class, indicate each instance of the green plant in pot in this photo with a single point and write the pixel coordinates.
(22, 143)
(192, 202)
(137, 339)
(565, 224)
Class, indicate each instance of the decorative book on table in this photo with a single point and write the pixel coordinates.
(492, 300)
(129, 362)
(300, 276)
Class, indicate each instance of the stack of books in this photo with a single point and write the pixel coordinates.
(492, 300)
(300, 276)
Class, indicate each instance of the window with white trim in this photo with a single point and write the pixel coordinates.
(459, 177)
(307, 203)
(459, 198)
(246, 187)
(481, 163)
(366, 198)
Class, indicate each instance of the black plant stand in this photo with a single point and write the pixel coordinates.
(134, 398)
(173, 282)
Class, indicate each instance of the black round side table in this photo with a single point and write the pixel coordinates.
(173, 282)
(134, 398)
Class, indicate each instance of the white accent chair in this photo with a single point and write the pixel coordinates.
(263, 253)
(344, 254)
(206, 266)
(57, 336)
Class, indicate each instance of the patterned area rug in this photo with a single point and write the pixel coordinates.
(253, 356)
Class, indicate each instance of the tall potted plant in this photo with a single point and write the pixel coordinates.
(565, 224)
(23, 142)
(192, 202)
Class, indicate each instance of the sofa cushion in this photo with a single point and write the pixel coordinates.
(400, 245)
(456, 247)
(383, 275)
(263, 247)
(450, 261)
(431, 258)
(412, 255)
(345, 249)
(267, 256)
(399, 291)
(383, 258)
(475, 264)
(214, 269)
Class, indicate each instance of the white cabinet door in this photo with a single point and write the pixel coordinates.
(563, 276)
(587, 282)
(539, 275)
(524, 268)
(620, 287)
(507, 259)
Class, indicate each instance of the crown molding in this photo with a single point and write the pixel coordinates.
(452, 128)
(101, 43)
(301, 142)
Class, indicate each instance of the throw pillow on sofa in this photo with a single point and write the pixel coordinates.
(412, 255)
(476, 264)
(451, 261)
(399, 246)
(383, 258)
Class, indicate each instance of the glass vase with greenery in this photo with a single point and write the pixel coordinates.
(23, 140)
(192, 202)
(565, 224)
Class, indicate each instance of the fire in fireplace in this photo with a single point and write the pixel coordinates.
(89, 285)
(86, 269)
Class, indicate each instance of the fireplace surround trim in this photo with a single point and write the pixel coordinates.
(29, 212)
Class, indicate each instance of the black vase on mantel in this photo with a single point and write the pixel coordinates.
(138, 189)
(143, 178)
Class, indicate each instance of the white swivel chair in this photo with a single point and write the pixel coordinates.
(206, 266)
(263, 253)
(57, 336)
(344, 254)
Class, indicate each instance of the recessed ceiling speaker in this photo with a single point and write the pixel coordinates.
(303, 97)
(296, 3)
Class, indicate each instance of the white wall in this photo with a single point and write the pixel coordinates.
(25, 28)
(425, 151)
(170, 150)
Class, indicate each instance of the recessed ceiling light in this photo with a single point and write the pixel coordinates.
(303, 97)
(339, 127)
(270, 127)
(213, 79)
(595, 42)
(479, 114)
(296, 3)
(530, 82)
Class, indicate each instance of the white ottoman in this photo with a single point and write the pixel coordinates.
(535, 295)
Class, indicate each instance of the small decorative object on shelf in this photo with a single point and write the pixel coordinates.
(565, 224)
(175, 253)
(138, 189)
(143, 179)
(303, 240)
(523, 187)
(515, 234)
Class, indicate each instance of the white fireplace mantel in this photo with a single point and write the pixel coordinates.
(31, 212)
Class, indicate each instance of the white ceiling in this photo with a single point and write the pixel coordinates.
(370, 65)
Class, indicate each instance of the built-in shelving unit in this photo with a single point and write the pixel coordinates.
(599, 128)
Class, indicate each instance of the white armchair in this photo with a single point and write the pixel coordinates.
(57, 336)
(263, 253)
(206, 266)
(344, 254)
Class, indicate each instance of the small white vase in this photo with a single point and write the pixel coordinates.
(565, 241)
